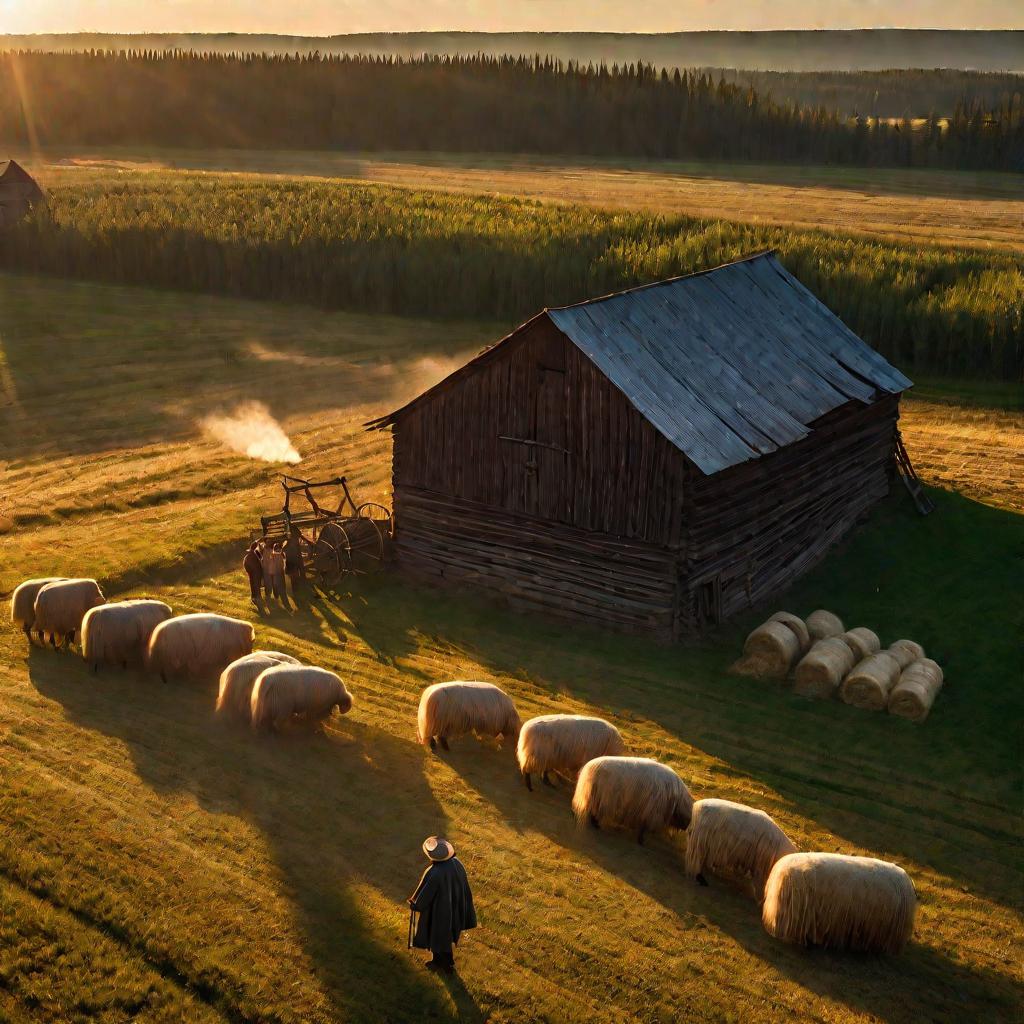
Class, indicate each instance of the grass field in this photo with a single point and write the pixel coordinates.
(983, 209)
(155, 866)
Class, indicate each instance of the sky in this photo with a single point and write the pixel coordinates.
(327, 17)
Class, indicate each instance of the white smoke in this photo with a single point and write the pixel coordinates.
(251, 430)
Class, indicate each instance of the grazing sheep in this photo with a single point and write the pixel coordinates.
(906, 652)
(914, 694)
(822, 624)
(234, 695)
(733, 839)
(564, 744)
(633, 793)
(119, 632)
(823, 668)
(60, 607)
(870, 682)
(449, 710)
(282, 693)
(23, 603)
(201, 644)
(840, 902)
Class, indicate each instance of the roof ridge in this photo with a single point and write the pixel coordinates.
(668, 280)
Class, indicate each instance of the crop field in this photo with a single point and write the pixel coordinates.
(156, 866)
(972, 208)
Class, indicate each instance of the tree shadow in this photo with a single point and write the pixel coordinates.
(923, 983)
(342, 811)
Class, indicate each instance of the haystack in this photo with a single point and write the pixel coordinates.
(862, 641)
(870, 682)
(769, 651)
(823, 668)
(919, 684)
(822, 624)
(906, 652)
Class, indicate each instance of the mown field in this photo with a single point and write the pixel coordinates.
(156, 866)
(972, 208)
(374, 248)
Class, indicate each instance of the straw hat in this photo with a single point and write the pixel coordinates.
(438, 849)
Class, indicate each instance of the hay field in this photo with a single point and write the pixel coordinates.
(978, 209)
(157, 867)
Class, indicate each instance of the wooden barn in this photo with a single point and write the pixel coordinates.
(18, 192)
(654, 460)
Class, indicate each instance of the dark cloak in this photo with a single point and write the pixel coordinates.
(444, 902)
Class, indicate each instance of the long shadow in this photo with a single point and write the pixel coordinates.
(832, 763)
(342, 812)
(921, 984)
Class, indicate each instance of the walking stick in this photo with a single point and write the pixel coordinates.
(412, 925)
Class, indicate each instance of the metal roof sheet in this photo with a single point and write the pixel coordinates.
(729, 364)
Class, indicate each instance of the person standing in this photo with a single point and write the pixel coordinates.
(253, 566)
(293, 560)
(444, 903)
(273, 572)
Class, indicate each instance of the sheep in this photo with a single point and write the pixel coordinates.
(564, 744)
(23, 603)
(633, 793)
(449, 710)
(198, 645)
(119, 632)
(234, 694)
(840, 902)
(283, 692)
(60, 606)
(730, 838)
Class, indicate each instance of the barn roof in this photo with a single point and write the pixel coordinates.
(728, 364)
(12, 171)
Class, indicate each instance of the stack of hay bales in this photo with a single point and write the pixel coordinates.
(825, 659)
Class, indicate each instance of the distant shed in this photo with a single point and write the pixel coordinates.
(653, 460)
(18, 193)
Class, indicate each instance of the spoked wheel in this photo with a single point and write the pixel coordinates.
(378, 514)
(330, 555)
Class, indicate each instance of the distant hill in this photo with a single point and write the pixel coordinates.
(797, 50)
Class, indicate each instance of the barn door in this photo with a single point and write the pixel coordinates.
(548, 495)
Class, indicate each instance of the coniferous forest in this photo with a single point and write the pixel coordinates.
(468, 104)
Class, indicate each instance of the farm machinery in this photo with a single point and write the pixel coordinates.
(332, 542)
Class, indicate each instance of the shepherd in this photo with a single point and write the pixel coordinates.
(444, 902)
(273, 572)
(253, 566)
(293, 560)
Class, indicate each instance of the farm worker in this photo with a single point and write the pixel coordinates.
(273, 571)
(293, 559)
(253, 566)
(445, 904)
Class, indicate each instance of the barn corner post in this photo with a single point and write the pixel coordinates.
(654, 460)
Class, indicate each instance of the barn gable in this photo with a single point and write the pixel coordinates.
(728, 365)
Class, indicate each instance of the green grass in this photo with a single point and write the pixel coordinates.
(155, 865)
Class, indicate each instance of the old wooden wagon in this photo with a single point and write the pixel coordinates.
(653, 460)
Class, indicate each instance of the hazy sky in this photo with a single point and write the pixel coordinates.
(325, 17)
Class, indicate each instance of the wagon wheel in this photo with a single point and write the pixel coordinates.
(379, 514)
(365, 544)
(329, 560)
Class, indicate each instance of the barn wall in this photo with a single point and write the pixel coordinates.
(534, 565)
(539, 431)
(753, 529)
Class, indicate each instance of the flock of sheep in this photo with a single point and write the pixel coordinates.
(824, 899)
(827, 660)
(265, 688)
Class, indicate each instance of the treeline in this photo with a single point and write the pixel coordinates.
(374, 248)
(472, 104)
(914, 93)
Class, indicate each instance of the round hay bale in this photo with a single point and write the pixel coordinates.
(822, 624)
(919, 684)
(862, 641)
(769, 651)
(823, 668)
(795, 623)
(839, 902)
(906, 652)
(869, 684)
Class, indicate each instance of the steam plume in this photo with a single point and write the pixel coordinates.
(251, 430)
